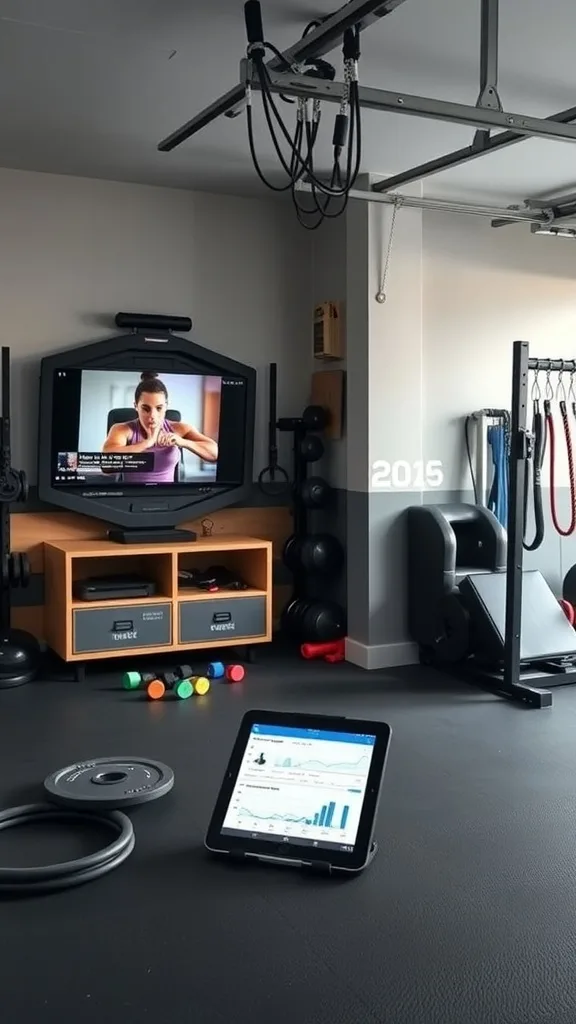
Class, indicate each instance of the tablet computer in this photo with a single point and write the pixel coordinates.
(301, 790)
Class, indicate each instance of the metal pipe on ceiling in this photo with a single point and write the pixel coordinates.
(440, 205)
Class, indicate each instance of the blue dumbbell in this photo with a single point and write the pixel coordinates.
(216, 670)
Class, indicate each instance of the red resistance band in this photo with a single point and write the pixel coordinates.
(572, 475)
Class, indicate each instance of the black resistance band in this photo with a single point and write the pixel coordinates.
(534, 469)
(26, 881)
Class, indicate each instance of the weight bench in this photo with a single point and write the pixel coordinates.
(447, 543)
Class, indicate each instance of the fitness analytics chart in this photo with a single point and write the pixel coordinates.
(304, 786)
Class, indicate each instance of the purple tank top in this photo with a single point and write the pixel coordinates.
(165, 459)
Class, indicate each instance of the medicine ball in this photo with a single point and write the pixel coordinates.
(323, 622)
(314, 492)
(321, 553)
(311, 448)
(315, 417)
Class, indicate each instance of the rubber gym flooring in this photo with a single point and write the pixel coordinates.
(467, 915)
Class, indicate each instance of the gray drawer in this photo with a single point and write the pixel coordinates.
(224, 619)
(110, 629)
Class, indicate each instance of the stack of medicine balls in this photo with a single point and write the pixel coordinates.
(181, 681)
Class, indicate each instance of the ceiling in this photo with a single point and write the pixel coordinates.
(89, 87)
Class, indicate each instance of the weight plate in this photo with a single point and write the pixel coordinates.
(106, 783)
(10, 486)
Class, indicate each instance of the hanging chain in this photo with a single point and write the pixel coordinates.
(381, 293)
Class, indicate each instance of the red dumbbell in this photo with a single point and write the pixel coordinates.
(321, 650)
(338, 655)
(235, 673)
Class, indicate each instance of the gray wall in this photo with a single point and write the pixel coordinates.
(459, 294)
(74, 251)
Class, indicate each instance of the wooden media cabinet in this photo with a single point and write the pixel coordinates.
(175, 618)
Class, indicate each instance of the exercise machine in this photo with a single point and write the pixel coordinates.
(457, 602)
(503, 630)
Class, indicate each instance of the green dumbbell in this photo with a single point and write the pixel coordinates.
(180, 687)
(134, 680)
(183, 689)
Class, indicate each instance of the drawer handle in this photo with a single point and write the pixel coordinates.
(222, 617)
(122, 626)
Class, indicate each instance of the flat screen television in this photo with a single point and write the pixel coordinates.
(145, 431)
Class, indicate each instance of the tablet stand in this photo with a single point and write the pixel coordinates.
(320, 867)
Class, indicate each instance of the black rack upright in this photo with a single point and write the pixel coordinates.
(513, 685)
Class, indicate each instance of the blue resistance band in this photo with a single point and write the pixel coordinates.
(498, 499)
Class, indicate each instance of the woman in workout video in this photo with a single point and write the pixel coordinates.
(152, 432)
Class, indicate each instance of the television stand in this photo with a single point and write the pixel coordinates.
(176, 619)
(152, 535)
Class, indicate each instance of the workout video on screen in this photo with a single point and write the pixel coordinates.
(147, 428)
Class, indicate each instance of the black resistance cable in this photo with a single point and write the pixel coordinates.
(534, 469)
(467, 425)
(51, 877)
(298, 162)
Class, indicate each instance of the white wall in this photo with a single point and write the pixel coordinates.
(74, 251)
(484, 288)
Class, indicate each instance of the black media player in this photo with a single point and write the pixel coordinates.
(113, 588)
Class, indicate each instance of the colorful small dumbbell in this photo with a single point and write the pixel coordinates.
(216, 670)
(156, 688)
(181, 688)
(178, 681)
(230, 673)
(200, 684)
(134, 680)
(235, 673)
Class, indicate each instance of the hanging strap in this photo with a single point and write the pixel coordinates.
(568, 440)
(534, 470)
(498, 499)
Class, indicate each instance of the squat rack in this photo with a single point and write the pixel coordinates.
(520, 443)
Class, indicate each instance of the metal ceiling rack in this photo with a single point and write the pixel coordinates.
(485, 116)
